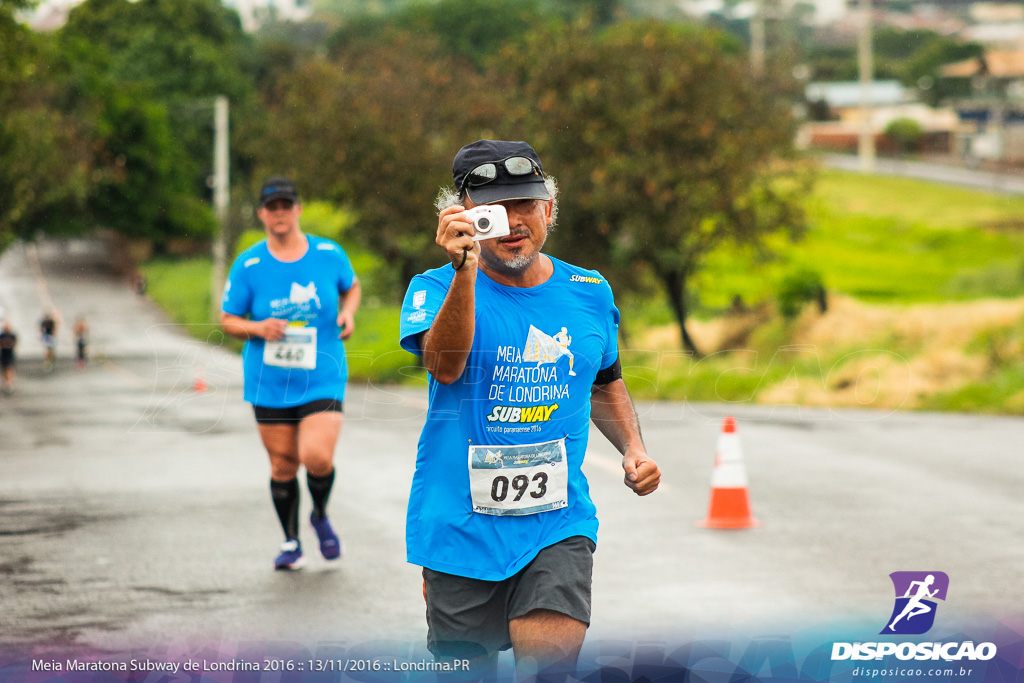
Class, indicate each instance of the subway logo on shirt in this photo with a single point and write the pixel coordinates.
(521, 414)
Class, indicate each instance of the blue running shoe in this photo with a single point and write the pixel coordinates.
(290, 556)
(330, 544)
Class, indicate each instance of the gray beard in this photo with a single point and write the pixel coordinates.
(517, 265)
(512, 267)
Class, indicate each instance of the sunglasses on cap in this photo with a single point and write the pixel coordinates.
(485, 173)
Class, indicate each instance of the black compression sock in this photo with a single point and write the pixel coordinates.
(320, 491)
(286, 502)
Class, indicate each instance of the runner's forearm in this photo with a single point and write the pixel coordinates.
(612, 411)
(350, 299)
(446, 345)
(237, 327)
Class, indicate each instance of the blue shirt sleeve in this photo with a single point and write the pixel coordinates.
(422, 302)
(237, 299)
(346, 274)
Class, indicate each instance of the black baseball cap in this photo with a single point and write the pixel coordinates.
(278, 187)
(505, 185)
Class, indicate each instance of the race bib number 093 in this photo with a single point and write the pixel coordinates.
(519, 480)
(296, 350)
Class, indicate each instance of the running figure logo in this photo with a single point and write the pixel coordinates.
(914, 611)
(545, 348)
(303, 295)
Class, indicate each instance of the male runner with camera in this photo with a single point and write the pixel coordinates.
(500, 515)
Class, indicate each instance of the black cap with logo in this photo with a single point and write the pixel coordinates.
(497, 170)
(278, 187)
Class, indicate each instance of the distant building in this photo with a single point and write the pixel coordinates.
(994, 112)
(919, 16)
(845, 94)
(995, 13)
(888, 101)
(48, 15)
(255, 13)
(824, 11)
(1000, 65)
(1004, 34)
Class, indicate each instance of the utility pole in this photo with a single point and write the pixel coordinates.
(221, 199)
(866, 143)
(757, 45)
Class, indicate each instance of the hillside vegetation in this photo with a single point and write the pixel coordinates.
(925, 308)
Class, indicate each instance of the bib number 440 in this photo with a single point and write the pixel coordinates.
(296, 350)
(288, 354)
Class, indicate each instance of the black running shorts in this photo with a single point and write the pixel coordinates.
(468, 618)
(295, 414)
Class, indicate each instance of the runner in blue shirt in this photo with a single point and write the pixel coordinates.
(293, 298)
(522, 353)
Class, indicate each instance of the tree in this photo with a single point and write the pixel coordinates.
(906, 134)
(665, 145)
(143, 75)
(376, 128)
(44, 153)
(473, 29)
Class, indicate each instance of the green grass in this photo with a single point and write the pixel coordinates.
(373, 351)
(886, 240)
(181, 288)
(916, 201)
(1002, 393)
(770, 358)
(719, 377)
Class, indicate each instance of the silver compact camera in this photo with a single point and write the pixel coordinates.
(489, 221)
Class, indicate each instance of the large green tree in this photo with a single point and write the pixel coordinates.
(376, 128)
(665, 145)
(44, 152)
(143, 76)
(474, 29)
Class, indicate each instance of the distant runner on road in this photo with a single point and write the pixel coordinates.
(8, 342)
(293, 297)
(81, 330)
(48, 337)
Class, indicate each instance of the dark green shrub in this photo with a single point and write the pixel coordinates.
(798, 288)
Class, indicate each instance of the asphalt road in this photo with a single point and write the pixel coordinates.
(990, 181)
(134, 510)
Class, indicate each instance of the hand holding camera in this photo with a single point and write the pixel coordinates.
(489, 221)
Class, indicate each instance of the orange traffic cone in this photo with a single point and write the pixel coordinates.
(730, 504)
(199, 383)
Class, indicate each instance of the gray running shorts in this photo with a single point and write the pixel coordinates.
(468, 618)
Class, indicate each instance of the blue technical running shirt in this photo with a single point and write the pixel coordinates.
(498, 471)
(304, 292)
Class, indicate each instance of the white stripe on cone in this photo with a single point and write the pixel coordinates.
(729, 472)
